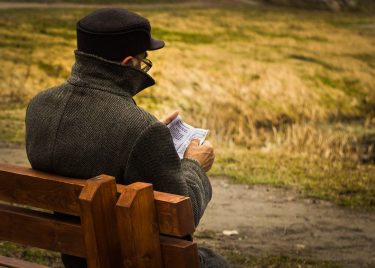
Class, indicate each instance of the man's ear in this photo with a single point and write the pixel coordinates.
(128, 60)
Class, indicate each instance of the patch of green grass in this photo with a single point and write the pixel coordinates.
(38, 29)
(287, 34)
(185, 37)
(53, 70)
(15, 41)
(350, 87)
(320, 62)
(224, 35)
(238, 259)
(149, 100)
(345, 183)
(35, 255)
(352, 22)
(344, 96)
(368, 104)
(326, 80)
(41, 20)
(69, 35)
(205, 234)
(366, 58)
(12, 125)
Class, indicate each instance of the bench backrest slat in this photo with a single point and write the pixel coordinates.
(41, 230)
(39, 189)
(57, 193)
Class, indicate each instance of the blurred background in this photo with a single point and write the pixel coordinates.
(286, 88)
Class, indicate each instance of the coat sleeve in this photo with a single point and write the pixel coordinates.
(155, 160)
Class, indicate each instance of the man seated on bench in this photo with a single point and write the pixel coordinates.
(90, 124)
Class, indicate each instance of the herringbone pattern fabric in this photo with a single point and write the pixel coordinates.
(90, 125)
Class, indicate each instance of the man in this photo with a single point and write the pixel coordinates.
(90, 124)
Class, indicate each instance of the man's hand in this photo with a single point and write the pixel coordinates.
(170, 118)
(204, 153)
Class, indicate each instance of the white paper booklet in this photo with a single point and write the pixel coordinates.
(183, 134)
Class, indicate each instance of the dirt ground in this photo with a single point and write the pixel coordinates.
(273, 221)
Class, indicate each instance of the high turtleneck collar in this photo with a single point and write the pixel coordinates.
(95, 72)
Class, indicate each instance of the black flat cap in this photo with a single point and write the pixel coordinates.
(115, 33)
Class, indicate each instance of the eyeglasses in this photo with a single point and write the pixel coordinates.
(146, 65)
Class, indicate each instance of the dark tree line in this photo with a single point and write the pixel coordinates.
(335, 5)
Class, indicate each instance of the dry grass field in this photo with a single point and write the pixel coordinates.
(288, 95)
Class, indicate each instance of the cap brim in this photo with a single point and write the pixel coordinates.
(156, 44)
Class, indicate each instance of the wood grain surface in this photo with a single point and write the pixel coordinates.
(179, 253)
(39, 189)
(138, 227)
(98, 218)
(175, 214)
(41, 230)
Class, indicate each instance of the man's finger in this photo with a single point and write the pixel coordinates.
(195, 141)
(170, 118)
(207, 143)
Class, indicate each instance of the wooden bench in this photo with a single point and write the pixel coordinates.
(117, 225)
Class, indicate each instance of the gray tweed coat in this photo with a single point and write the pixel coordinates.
(90, 125)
